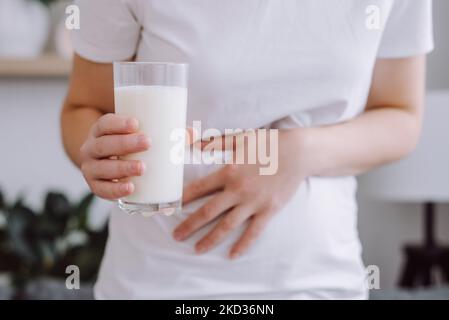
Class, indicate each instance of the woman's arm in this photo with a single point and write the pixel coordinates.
(388, 130)
(90, 96)
(94, 136)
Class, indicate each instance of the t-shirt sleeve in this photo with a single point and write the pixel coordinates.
(108, 31)
(408, 30)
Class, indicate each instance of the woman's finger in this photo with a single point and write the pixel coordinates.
(227, 224)
(204, 186)
(113, 169)
(111, 190)
(225, 142)
(191, 136)
(118, 145)
(250, 235)
(212, 209)
(114, 124)
(228, 142)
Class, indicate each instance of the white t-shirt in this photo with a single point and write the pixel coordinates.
(254, 63)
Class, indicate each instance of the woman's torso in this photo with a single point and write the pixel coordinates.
(255, 63)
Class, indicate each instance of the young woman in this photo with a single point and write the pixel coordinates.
(343, 81)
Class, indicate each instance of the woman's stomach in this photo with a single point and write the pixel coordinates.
(310, 248)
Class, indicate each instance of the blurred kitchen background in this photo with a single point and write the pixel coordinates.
(397, 209)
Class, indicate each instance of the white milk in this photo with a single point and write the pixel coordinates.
(159, 110)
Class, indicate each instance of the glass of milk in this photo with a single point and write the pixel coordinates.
(156, 95)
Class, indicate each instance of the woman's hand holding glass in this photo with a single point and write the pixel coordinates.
(112, 136)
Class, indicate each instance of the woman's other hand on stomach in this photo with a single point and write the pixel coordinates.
(241, 193)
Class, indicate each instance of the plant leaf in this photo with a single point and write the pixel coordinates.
(82, 210)
(20, 218)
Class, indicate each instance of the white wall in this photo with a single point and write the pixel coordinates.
(438, 67)
(32, 159)
(32, 155)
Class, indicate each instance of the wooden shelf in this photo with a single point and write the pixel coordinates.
(48, 65)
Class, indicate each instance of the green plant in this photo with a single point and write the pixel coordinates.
(43, 243)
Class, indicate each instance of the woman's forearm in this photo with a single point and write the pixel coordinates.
(90, 96)
(76, 123)
(376, 137)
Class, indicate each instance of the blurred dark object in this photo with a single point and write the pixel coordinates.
(424, 260)
(37, 245)
(47, 2)
(53, 289)
(418, 294)
(2, 201)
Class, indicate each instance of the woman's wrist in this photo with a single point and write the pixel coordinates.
(303, 150)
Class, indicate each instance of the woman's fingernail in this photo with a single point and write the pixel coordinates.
(177, 236)
(133, 124)
(140, 168)
(143, 141)
(234, 255)
(126, 188)
(200, 249)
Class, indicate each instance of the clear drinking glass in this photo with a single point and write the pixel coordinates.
(156, 95)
